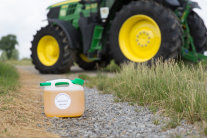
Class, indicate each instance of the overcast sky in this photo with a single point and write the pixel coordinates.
(24, 17)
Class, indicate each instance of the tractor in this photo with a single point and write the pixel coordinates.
(93, 32)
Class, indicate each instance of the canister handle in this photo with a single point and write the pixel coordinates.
(60, 82)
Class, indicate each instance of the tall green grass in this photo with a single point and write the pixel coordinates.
(8, 78)
(112, 67)
(176, 89)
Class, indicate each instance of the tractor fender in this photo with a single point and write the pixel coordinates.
(172, 2)
(70, 31)
(195, 5)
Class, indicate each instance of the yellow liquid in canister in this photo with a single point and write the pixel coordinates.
(72, 106)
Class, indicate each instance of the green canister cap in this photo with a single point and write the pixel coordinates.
(78, 81)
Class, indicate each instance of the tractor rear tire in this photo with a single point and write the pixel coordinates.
(198, 32)
(153, 13)
(51, 53)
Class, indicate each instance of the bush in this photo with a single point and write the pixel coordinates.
(14, 55)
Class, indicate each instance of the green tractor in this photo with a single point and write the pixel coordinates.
(92, 32)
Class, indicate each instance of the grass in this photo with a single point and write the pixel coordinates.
(205, 131)
(112, 67)
(176, 89)
(8, 78)
(156, 122)
(102, 82)
(24, 61)
(173, 123)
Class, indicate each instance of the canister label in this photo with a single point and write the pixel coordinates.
(62, 101)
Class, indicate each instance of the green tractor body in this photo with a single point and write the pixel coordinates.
(92, 32)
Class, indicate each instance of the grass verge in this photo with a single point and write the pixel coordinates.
(20, 107)
(9, 82)
(8, 78)
(178, 90)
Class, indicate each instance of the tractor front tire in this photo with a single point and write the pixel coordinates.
(198, 31)
(143, 31)
(51, 53)
(85, 63)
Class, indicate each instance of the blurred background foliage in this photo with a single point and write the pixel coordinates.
(8, 45)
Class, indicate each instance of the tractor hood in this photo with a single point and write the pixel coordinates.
(63, 3)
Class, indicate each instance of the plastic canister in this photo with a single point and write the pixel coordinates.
(64, 98)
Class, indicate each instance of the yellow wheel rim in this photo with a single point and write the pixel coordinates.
(84, 58)
(48, 50)
(140, 38)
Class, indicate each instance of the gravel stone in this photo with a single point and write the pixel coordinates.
(105, 118)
